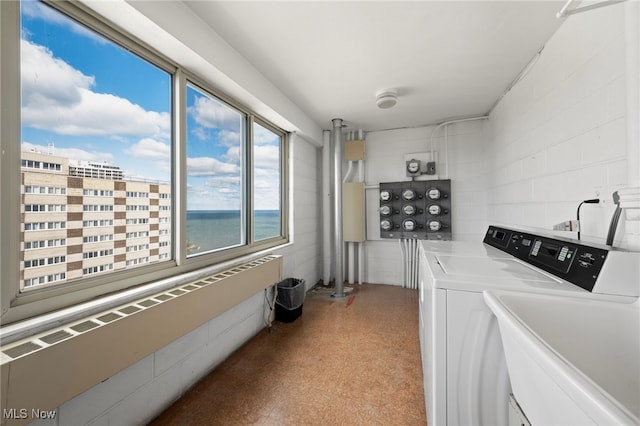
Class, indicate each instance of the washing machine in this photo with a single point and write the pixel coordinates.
(465, 374)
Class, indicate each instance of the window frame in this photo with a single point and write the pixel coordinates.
(284, 175)
(197, 84)
(16, 306)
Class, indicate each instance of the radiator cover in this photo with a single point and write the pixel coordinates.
(50, 368)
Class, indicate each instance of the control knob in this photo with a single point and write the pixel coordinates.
(385, 195)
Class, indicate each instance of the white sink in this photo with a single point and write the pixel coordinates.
(571, 360)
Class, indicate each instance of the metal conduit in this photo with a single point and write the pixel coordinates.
(327, 215)
(336, 141)
(410, 262)
(403, 248)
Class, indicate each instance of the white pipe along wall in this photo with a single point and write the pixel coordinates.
(338, 244)
(632, 44)
(326, 209)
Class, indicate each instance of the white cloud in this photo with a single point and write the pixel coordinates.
(207, 166)
(262, 184)
(223, 181)
(225, 138)
(212, 114)
(267, 194)
(150, 148)
(58, 98)
(47, 81)
(264, 136)
(71, 153)
(197, 190)
(229, 138)
(224, 185)
(157, 153)
(232, 155)
(200, 133)
(216, 193)
(227, 191)
(38, 10)
(266, 157)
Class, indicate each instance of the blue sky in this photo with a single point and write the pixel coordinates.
(97, 102)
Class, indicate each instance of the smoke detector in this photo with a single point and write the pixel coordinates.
(386, 98)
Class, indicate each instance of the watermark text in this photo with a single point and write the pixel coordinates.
(26, 413)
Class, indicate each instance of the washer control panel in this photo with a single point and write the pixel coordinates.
(416, 209)
(577, 263)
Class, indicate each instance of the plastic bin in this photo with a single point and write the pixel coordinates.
(290, 299)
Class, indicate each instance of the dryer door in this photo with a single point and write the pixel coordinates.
(478, 385)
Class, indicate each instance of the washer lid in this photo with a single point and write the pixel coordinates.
(483, 268)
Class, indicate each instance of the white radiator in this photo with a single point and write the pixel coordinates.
(48, 369)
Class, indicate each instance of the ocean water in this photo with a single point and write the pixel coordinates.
(214, 229)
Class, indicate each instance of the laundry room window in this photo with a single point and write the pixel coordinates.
(267, 182)
(120, 166)
(215, 173)
(95, 144)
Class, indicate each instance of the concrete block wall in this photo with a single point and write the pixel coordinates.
(559, 136)
(303, 259)
(140, 392)
(384, 153)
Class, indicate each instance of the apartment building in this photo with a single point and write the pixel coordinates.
(86, 218)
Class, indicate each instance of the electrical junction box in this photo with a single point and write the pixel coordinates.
(353, 212)
(354, 150)
(416, 210)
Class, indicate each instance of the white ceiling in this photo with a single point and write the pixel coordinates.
(447, 59)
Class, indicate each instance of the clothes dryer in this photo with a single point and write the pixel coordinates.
(465, 374)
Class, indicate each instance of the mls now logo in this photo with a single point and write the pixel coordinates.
(23, 413)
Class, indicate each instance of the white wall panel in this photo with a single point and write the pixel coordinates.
(559, 136)
(384, 162)
(383, 262)
(103, 396)
(303, 259)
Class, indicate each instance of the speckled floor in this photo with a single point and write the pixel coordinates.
(349, 361)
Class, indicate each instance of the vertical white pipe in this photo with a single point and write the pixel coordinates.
(407, 274)
(352, 262)
(632, 44)
(361, 278)
(337, 207)
(446, 152)
(416, 264)
(410, 263)
(326, 207)
(404, 264)
(347, 176)
(410, 242)
(361, 259)
(632, 55)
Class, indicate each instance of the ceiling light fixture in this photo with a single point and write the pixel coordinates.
(386, 98)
